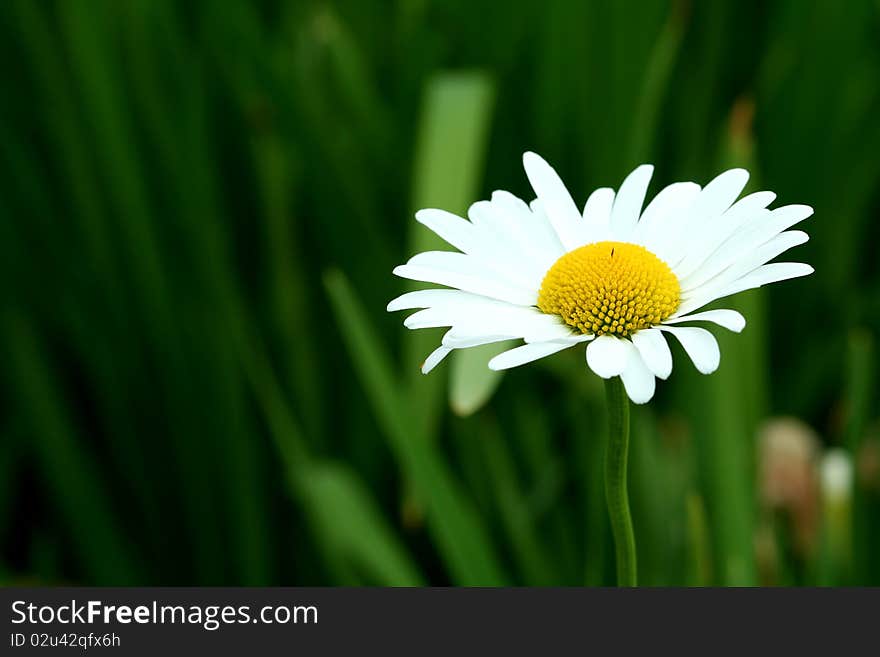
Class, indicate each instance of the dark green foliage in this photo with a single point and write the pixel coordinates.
(200, 207)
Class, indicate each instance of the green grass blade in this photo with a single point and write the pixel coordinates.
(655, 85)
(700, 573)
(448, 168)
(525, 541)
(69, 471)
(452, 520)
(471, 382)
(343, 510)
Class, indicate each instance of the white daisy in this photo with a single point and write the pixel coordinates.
(613, 276)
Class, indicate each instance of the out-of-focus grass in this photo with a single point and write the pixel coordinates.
(200, 214)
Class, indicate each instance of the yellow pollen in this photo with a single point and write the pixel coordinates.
(610, 288)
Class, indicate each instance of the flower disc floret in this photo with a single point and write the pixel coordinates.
(610, 288)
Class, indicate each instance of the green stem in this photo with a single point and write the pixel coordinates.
(615, 481)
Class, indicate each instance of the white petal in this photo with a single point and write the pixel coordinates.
(629, 200)
(720, 194)
(495, 225)
(741, 262)
(533, 235)
(483, 285)
(558, 204)
(714, 200)
(741, 235)
(455, 340)
(490, 317)
(538, 212)
(772, 273)
(607, 356)
(428, 298)
(766, 252)
(597, 214)
(701, 265)
(654, 351)
(699, 344)
(526, 354)
(453, 261)
(432, 318)
(453, 229)
(711, 235)
(787, 216)
(504, 245)
(729, 319)
(698, 301)
(464, 305)
(501, 266)
(637, 379)
(481, 214)
(754, 201)
(672, 199)
(549, 332)
(434, 358)
(764, 225)
(473, 321)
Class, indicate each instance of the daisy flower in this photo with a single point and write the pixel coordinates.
(616, 277)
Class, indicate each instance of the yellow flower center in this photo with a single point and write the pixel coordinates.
(610, 288)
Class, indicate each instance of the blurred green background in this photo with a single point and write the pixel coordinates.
(201, 206)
